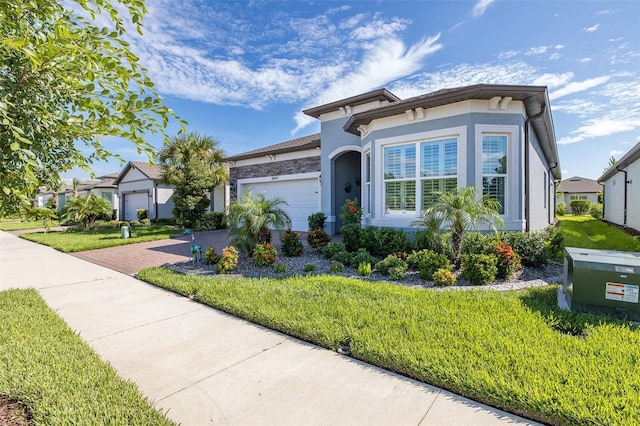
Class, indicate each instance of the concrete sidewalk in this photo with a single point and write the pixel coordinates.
(202, 366)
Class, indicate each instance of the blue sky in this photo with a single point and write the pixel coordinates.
(243, 71)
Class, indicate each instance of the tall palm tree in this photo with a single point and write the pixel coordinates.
(87, 209)
(251, 217)
(194, 164)
(462, 210)
(75, 183)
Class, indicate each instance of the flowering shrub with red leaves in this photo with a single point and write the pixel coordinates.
(291, 244)
(264, 254)
(351, 212)
(508, 260)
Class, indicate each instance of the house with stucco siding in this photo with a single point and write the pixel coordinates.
(579, 188)
(621, 193)
(395, 155)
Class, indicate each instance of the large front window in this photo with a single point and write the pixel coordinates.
(400, 178)
(494, 168)
(438, 168)
(406, 190)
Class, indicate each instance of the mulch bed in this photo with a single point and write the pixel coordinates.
(14, 413)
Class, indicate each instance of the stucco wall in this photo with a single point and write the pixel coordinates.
(591, 197)
(539, 187)
(614, 197)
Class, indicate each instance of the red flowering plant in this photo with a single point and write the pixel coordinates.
(351, 212)
(508, 260)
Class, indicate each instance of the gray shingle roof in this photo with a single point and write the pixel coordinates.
(153, 171)
(299, 144)
(579, 184)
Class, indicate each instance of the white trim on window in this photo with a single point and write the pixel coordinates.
(512, 181)
(404, 219)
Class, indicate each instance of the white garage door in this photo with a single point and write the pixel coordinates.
(133, 202)
(301, 195)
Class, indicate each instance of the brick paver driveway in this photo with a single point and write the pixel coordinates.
(130, 259)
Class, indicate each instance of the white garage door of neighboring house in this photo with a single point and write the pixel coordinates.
(301, 195)
(133, 202)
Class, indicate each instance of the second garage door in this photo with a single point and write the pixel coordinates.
(133, 202)
(301, 195)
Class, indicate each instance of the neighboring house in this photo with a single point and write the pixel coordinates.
(288, 170)
(102, 186)
(140, 187)
(621, 197)
(395, 155)
(579, 188)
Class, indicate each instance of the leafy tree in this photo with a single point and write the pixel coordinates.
(612, 162)
(250, 218)
(462, 210)
(86, 209)
(194, 164)
(66, 83)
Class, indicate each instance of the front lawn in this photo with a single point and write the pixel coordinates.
(514, 350)
(46, 366)
(7, 224)
(591, 233)
(75, 240)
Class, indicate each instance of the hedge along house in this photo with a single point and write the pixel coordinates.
(289, 170)
(395, 155)
(621, 198)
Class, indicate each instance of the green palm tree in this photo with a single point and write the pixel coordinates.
(194, 164)
(251, 217)
(86, 209)
(462, 210)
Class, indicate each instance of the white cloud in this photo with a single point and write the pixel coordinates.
(576, 87)
(385, 62)
(585, 60)
(607, 12)
(508, 54)
(481, 7)
(555, 56)
(598, 127)
(616, 153)
(553, 80)
(592, 29)
(539, 50)
(378, 28)
(559, 46)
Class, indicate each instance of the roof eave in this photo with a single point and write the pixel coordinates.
(312, 145)
(630, 157)
(380, 95)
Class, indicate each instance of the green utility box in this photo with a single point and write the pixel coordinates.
(605, 281)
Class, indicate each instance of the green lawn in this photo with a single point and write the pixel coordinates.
(17, 224)
(46, 366)
(587, 232)
(514, 350)
(74, 240)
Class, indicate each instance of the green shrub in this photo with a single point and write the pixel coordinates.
(370, 240)
(554, 242)
(318, 238)
(427, 262)
(531, 246)
(479, 269)
(561, 208)
(142, 214)
(171, 221)
(398, 273)
(336, 267)
(444, 278)
(580, 207)
(211, 221)
(508, 261)
(316, 221)
(390, 262)
(134, 223)
(343, 257)
(146, 222)
(438, 242)
(310, 267)
(264, 254)
(210, 256)
(360, 256)
(392, 240)
(228, 261)
(596, 210)
(479, 243)
(364, 269)
(291, 244)
(332, 248)
(279, 268)
(351, 236)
